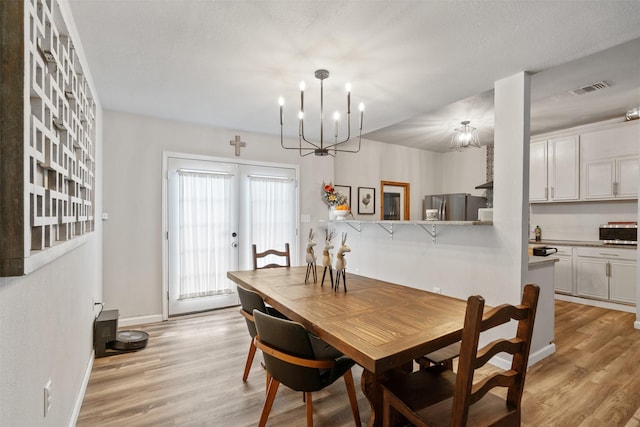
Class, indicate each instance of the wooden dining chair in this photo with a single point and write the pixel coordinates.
(443, 356)
(290, 359)
(285, 254)
(436, 396)
(250, 301)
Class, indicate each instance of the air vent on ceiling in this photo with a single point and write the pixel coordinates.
(591, 88)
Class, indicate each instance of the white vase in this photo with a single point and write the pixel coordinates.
(332, 213)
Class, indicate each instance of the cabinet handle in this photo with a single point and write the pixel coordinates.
(615, 188)
(608, 269)
(606, 254)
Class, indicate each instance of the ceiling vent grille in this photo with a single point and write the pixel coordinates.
(591, 88)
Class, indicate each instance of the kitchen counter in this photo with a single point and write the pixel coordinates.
(591, 244)
(539, 261)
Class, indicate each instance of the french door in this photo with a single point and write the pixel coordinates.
(215, 212)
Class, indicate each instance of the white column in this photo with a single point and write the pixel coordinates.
(511, 166)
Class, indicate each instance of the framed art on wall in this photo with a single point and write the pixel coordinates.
(366, 200)
(346, 191)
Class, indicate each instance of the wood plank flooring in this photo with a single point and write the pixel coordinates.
(190, 375)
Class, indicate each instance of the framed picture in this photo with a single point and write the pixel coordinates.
(346, 190)
(366, 200)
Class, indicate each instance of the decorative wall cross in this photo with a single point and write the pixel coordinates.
(239, 144)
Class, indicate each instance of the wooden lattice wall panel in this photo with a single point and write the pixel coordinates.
(58, 136)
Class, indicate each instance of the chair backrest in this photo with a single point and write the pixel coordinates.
(288, 353)
(466, 392)
(257, 255)
(250, 301)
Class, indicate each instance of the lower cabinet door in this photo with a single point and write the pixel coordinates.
(563, 275)
(623, 281)
(591, 278)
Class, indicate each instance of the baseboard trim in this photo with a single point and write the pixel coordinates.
(83, 389)
(597, 303)
(534, 358)
(139, 320)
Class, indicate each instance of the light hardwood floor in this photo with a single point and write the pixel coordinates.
(190, 375)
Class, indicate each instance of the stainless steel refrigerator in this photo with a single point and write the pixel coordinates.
(454, 207)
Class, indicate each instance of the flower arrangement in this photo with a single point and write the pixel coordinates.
(334, 198)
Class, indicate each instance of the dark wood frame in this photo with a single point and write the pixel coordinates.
(373, 204)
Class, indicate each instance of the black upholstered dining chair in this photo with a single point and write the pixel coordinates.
(436, 396)
(250, 301)
(290, 359)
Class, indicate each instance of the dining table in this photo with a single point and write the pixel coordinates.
(381, 325)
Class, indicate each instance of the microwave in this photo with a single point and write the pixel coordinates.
(619, 234)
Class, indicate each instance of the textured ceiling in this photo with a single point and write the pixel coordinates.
(417, 65)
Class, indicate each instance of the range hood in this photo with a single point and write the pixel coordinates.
(486, 185)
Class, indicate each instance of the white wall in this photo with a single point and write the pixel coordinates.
(462, 171)
(133, 198)
(46, 327)
(46, 318)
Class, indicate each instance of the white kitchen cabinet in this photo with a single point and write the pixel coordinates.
(610, 163)
(563, 272)
(564, 169)
(591, 278)
(606, 273)
(611, 178)
(610, 142)
(627, 177)
(554, 170)
(622, 275)
(538, 190)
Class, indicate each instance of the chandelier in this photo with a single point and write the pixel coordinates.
(319, 148)
(464, 137)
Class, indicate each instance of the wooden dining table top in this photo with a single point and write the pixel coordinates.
(380, 325)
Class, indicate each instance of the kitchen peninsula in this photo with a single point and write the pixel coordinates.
(402, 252)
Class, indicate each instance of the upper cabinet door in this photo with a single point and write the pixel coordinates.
(598, 178)
(627, 177)
(610, 165)
(620, 140)
(564, 168)
(538, 190)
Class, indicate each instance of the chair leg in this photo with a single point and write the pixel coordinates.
(448, 364)
(271, 395)
(247, 366)
(266, 388)
(309, 405)
(351, 392)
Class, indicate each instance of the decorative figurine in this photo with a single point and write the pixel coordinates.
(311, 258)
(326, 256)
(341, 263)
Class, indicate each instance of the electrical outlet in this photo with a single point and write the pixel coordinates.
(47, 397)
